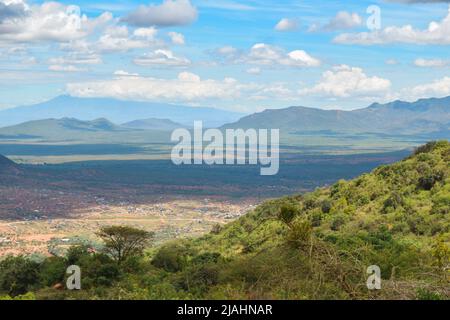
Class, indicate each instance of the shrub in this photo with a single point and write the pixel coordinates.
(299, 234)
(427, 148)
(424, 294)
(288, 212)
(53, 270)
(216, 229)
(326, 206)
(172, 257)
(441, 203)
(338, 222)
(206, 258)
(18, 275)
(99, 270)
(204, 277)
(75, 254)
(394, 201)
(316, 219)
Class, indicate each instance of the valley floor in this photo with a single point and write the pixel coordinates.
(47, 208)
(169, 219)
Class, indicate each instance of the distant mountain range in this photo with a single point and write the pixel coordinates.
(429, 118)
(116, 111)
(420, 117)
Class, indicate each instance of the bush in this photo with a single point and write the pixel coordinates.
(394, 202)
(427, 148)
(441, 206)
(316, 219)
(18, 275)
(202, 278)
(52, 271)
(206, 258)
(216, 229)
(299, 234)
(424, 294)
(288, 212)
(99, 270)
(326, 206)
(338, 222)
(171, 257)
(77, 253)
(430, 179)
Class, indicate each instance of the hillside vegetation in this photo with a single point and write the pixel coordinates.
(313, 246)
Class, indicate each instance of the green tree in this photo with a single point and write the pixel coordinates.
(123, 242)
(18, 275)
(53, 270)
(172, 257)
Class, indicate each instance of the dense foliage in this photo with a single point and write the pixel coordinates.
(312, 246)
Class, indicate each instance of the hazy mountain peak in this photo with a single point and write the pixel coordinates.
(117, 111)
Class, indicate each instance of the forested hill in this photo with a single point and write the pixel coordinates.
(319, 245)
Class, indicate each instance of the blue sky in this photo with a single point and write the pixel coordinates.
(236, 55)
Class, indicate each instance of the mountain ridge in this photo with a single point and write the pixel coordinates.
(117, 111)
(398, 117)
(72, 129)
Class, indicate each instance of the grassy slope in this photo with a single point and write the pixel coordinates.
(396, 217)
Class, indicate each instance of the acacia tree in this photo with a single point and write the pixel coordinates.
(123, 242)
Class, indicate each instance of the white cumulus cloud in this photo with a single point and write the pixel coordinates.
(342, 21)
(267, 55)
(176, 38)
(344, 81)
(161, 57)
(169, 13)
(285, 25)
(437, 33)
(50, 21)
(187, 87)
(427, 63)
(66, 68)
(119, 39)
(437, 89)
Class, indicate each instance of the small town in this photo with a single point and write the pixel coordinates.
(40, 234)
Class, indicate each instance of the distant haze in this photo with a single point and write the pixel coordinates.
(116, 111)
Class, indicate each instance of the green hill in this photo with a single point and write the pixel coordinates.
(60, 127)
(319, 245)
(70, 129)
(312, 246)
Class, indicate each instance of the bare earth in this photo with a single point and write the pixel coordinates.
(169, 219)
